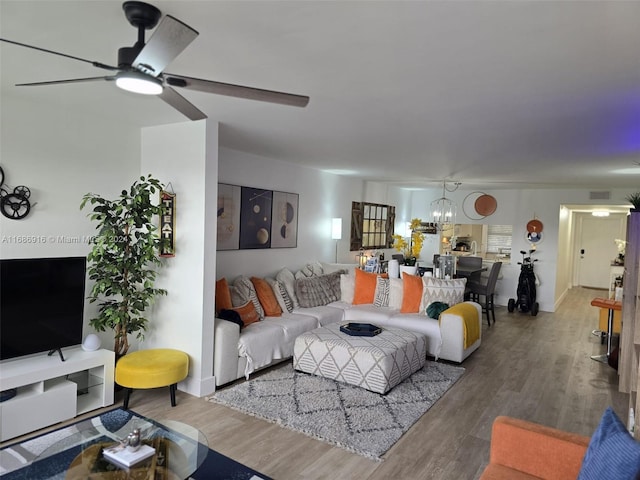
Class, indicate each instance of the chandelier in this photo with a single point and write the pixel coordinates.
(443, 209)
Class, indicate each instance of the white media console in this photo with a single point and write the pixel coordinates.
(50, 390)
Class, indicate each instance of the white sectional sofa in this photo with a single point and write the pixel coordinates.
(238, 352)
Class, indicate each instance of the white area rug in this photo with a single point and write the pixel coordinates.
(350, 417)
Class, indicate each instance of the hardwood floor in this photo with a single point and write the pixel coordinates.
(536, 368)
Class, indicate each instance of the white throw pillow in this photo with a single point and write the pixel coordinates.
(395, 293)
(347, 287)
(439, 290)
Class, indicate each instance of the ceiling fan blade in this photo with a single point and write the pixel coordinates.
(72, 80)
(166, 43)
(239, 91)
(94, 63)
(181, 104)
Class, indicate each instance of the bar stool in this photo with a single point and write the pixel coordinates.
(612, 306)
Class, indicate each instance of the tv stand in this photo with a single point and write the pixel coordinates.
(47, 389)
(59, 350)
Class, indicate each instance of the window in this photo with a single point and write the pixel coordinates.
(371, 225)
(499, 239)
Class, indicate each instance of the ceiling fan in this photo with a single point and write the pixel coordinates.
(141, 67)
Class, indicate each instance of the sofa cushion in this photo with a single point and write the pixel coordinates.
(440, 290)
(318, 290)
(612, 451)
(244, 289)
(310, 270)
(223, 295)
(381, 296)
(266, 297)
(411, 293)
(286, 279)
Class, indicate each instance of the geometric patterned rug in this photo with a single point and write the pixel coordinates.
(343, 415)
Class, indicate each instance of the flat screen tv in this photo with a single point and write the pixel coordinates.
(41, 305)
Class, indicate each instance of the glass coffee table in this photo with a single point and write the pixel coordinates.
(180, 449)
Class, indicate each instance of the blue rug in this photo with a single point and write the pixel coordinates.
(21, 461)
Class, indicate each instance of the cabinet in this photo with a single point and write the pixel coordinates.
(50, 390)
(463, 230)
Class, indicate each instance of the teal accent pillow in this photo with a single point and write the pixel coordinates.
(436, 308)
(612, 452)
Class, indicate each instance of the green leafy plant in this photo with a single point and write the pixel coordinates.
(122, 260)
(634, 199)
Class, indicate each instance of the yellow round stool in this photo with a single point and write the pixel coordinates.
(153, 368)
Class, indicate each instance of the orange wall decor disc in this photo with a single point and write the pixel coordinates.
(485, 205)
(534, 226)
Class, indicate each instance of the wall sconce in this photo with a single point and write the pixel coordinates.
(336, 232)
(600, 213)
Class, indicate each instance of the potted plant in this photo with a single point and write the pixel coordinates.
(122, 260)
(410, 249)
(634, 199)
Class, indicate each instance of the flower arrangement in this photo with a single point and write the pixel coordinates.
(410, 249)
(634, 199)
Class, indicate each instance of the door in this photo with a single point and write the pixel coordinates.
(598, 249)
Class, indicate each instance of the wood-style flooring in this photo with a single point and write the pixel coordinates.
(536, 368)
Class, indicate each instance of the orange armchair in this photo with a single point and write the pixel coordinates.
(522, 449)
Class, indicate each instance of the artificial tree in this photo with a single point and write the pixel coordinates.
(123, 258)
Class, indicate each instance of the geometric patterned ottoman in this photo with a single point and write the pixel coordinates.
(376, 363)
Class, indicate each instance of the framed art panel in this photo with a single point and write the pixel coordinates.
(255, 218)
(284, 225)
(228, 217)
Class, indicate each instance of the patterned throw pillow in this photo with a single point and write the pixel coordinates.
(383, 288)
(286, 279)
(244, 287)
(281, 295)
(450, 292)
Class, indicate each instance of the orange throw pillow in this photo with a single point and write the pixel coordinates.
(411, 293)
(365, 286)
(223, 295)
(248, 313)
(266, 297)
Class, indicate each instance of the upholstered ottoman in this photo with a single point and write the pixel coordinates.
(376, 363)
(157, 367)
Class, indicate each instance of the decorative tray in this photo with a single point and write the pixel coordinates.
(360, 329)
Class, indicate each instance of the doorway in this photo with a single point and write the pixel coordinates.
(596, 248)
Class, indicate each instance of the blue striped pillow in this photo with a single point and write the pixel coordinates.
(612, 452)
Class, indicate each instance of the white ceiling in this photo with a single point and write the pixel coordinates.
(501, 94)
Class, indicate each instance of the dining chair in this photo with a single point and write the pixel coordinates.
(471, 263)
(486, 290)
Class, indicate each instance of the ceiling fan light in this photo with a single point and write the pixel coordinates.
(138, 82)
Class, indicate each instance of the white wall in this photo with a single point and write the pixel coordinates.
(60, 156)
(186, 156)
(322, 196)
